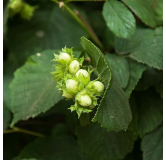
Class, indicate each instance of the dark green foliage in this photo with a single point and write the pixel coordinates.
(49, 148)
(124, 47)
(152, 145)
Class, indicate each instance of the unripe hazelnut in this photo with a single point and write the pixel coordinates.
(72, 85)
(85, 100)
(83, 76)
(65, 56)
(74, 66)
(98, 86)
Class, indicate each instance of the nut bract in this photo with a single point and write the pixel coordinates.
(67, 95)
(74, 66)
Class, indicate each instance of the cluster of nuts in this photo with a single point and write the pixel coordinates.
(73, 80)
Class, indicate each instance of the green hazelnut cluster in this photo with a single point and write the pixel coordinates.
(19, 6)
(73, 81)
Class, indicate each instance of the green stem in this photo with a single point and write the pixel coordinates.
(16, 129)
(9, 131)
(90, 32)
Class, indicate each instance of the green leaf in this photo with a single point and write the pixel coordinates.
(119, 19)
(33, 90)
(151, 55)
(99, 144)
(46, 30)
(152, 145)
(149, 112)
(49, 148)
(125, 46)
(114, 112)
(136, 70)
(99, 62)
(137, 47)
(120, 68)
(158, 7)
(6, 117)
(144, 10)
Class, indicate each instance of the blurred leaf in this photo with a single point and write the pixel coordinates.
(136, 70)
(6, 117)
(49, 148)
(33, 90)
(108, 38)
(158, 7)
(97, 22)
(7, 78)
(50, 28)
(152, 145)
(14, 143)
(5, 19)
(159, 31)
(159, 88)
(85, 119)
(120, 68)
(149, 78)
(59, 130)
(99, 144)
(119, 19)
(114, 113)
(149, 112)
(144, 10)
(61, 108)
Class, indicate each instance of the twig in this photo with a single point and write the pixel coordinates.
(16, 129)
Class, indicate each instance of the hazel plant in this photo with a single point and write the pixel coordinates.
(73, 81)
